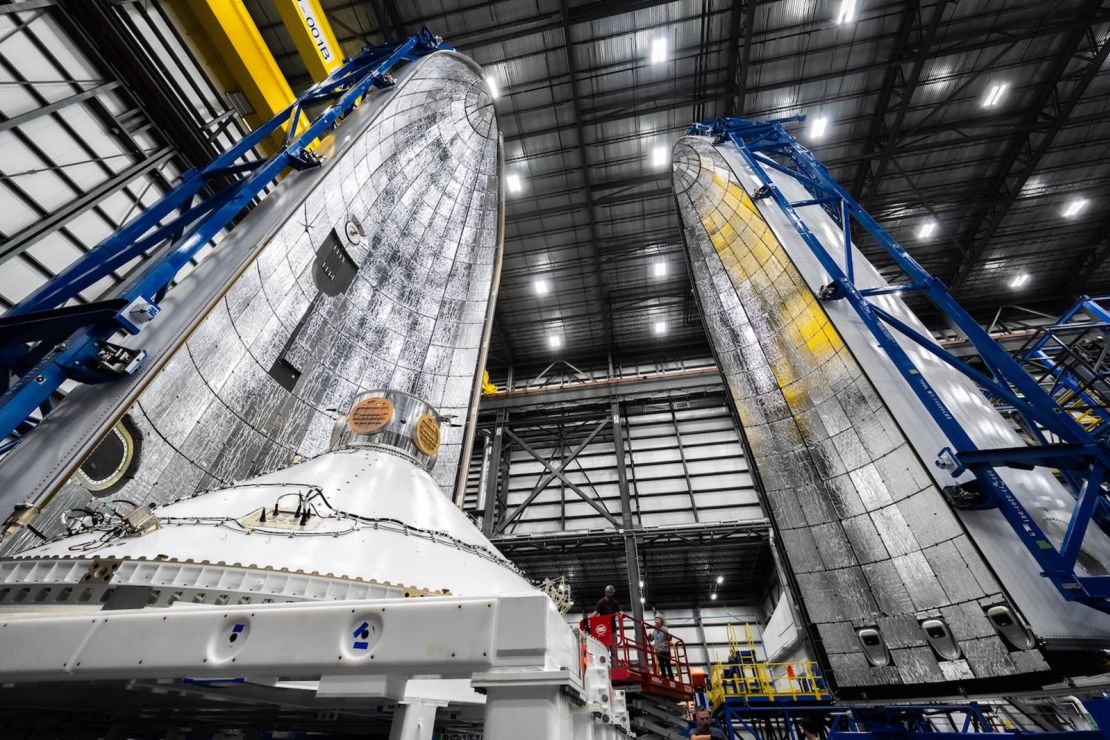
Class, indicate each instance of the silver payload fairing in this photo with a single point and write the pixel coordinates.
(374, 271)
(897, 588)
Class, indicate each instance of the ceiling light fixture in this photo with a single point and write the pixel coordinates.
(494, 90)
(659, 156)
(927, 228)
(1074, 207)
(720, 580)
(713, 596)
(659, 269)
(513, 182)
(542, 286)
(819, 126)
(847, 12)
(658, 50)
(554, 341)
(994, 95)
(1020, 280)
(660, 327)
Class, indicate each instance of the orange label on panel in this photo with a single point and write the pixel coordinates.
(427, 434)
(369, 415)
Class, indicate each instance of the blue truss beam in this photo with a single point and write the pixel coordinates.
(42, 343)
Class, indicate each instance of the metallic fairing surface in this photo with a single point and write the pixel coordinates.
(870, 538)
(379, 277)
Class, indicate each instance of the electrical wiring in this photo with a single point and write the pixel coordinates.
(306, 508)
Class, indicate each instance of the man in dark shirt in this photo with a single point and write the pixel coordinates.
(705, 729)
(608, 604)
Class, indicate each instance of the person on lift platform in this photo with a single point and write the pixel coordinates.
(608, 605)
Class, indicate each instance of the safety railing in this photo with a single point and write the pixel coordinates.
(634, 654)
(768, 682)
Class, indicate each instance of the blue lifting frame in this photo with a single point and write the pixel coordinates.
(865, 722)
(44, 342)
(1044, 352)
(1061, 442)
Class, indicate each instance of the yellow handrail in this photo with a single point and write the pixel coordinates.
(766, 681)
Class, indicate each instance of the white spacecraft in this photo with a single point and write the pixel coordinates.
(264, 512)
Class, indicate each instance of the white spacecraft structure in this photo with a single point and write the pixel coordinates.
(279, 502)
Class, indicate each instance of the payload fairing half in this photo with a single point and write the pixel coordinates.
(375, 271)
(898, 588)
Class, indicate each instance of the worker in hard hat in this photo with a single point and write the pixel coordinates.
(608, 604)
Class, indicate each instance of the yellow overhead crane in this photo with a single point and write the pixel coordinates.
(225, 35)
(312, 35)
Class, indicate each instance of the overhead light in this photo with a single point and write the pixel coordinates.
(713, 596)
(554, 341)
(847, 12)
(494, 91)
(658, 50)
(659, 269)
(1033, 186)
(641, 584)
(720, 580)
(819, 126)
(994, 94)
(927, 228)
(1075, 207)
(659, 156)
(542, 286)
(1020, 280)
(641, 599)
(660, 327)
(513, 182)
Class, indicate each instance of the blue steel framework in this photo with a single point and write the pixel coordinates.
(1062, 442)
(866, 722)
(1046, 354)
(43, 342)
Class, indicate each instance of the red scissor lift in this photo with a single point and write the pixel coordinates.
(635, 662)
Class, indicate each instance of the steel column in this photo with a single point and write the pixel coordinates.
(701, 633)
(493, 473)
(631, 550)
